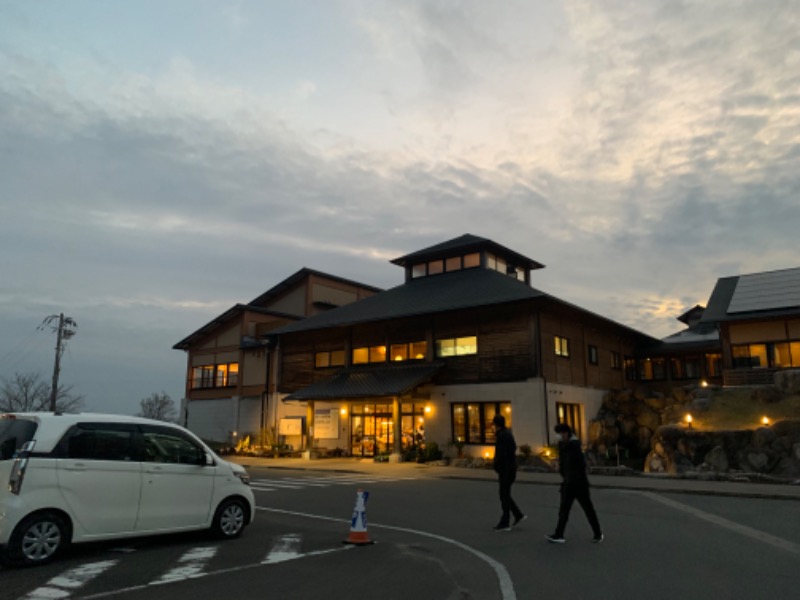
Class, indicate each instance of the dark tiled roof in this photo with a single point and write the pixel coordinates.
(278, 289)
(463, 244)
(368, 382)
(437, 293)
(224, 319)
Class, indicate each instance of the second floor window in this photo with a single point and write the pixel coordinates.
(616, 360)
(215, 376)
(461, 346)
(593, 358)
(561, 346)
(411, 351)
(329, 358)
(369, 354)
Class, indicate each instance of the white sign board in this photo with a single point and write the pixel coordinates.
(326, 423)
(291, 426)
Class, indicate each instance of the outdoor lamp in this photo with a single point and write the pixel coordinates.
(689, 420)
(765, 421)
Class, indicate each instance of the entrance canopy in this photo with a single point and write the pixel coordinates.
(368, 382)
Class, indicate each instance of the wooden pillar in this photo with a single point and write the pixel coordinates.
(309, 429)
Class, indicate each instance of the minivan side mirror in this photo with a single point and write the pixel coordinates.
(209, 462)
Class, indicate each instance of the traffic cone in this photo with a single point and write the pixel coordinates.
(358, 525)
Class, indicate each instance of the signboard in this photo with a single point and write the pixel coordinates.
(291, 426)
(326, 423)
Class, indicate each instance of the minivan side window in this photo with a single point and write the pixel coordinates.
(99, 441)
(14, 433)
(166, 445)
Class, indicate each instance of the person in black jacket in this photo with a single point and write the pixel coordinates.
(572, 464)
(505, 464)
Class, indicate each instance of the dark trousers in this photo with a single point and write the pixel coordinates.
(568, 495)
(506, 501)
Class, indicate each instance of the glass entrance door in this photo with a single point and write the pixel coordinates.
(372, 429)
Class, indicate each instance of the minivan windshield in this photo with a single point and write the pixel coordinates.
(13, 434)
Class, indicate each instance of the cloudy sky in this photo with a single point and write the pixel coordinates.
(162, 161)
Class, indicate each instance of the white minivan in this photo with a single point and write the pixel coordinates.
(85, 477)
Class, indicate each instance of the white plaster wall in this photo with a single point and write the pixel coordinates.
(590, 398)
(212, 420)
(527, 409)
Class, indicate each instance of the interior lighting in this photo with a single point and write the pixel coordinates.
(427, 410)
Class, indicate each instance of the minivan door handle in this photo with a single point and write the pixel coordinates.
(76, 467)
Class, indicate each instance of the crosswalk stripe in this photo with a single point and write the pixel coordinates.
(61, 586)
(189, 565)
(286, 548)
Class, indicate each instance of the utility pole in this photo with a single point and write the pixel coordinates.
(65, 330)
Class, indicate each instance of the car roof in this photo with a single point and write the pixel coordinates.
(53, 425)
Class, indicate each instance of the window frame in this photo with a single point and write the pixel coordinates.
(484, 424)
(593, 355)
(453, 342)
(561, 346)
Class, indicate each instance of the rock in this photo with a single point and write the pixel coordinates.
(701, 394)
(679, 395)
(763, 437)
(640, 394)
(680, 464)
(767, 394)
(782, 445)
(757, 459)
(656, 403)
(644, 439)
(649, 418)
(787, 468)
(595, 430)
(796, 452)
(788, 428)
(628, 426)
(717, 459)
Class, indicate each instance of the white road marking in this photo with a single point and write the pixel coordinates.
(190, 565)
(504, 579)
(755, 534)
(66, 583)
(287, 548)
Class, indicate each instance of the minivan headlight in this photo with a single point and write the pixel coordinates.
(243, 476)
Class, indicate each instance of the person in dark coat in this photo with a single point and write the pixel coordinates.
(505, 464)
(575, 486)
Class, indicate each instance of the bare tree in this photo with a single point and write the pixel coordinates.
(158, 406)
(26, 392)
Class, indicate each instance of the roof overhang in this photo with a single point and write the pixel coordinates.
(368, 382)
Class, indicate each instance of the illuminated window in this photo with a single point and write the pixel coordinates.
(377, 354)
(219, 375)
(472, 260)
(360, 356)
(491, 261)
(418, 270)
(453, 264)
(332, 358)
(472, 422)
(571, 415)
(411, 351)
(373, 354)
(435, 267)
(714, 365)
(561, 346)
(461, 346)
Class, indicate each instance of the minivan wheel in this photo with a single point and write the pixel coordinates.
(37, 539)
(230, 518)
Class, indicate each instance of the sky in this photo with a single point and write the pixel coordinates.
(163, 161)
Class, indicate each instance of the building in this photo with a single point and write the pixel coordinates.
(229, 360)
(323, 363)
(758, 320)
(463, 338)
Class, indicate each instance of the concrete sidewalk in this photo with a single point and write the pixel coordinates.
(641, 482)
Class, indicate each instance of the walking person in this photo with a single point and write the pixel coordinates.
(505, 464)
(575, 486)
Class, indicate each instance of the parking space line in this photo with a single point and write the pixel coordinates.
(63, 585)
(755, 534)
(286, 548)
(190, 565)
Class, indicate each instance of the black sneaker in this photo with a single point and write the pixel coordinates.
(555, 539)
(519, 519)
(597, 539)
(501, 527)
